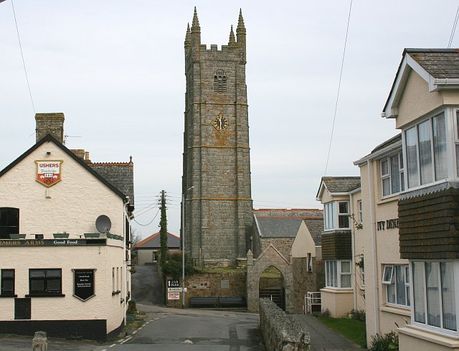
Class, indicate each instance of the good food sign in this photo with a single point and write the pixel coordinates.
(48, 172)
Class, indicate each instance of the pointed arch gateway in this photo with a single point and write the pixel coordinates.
(270, 270)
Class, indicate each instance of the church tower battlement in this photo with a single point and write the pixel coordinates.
(216, 158)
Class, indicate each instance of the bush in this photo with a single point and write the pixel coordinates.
(173, 266)
(386, 342)
(358, 315)
(132, 307)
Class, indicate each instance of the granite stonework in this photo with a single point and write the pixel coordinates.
(304, 281)
(50, 123)
(216, 156)
(230, 283)
(279, 331)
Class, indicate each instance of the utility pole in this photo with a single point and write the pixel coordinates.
(163, 230)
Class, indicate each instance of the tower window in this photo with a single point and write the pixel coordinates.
(220, 81)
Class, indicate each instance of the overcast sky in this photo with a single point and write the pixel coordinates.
(116, 69)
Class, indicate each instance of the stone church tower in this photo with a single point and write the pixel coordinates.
(216, 157)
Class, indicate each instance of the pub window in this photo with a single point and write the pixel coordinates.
(220, 81)
(9, 222)
(7, 282)
(45, 282)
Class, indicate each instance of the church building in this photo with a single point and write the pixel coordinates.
(216, 184)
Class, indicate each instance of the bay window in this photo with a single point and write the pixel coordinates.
(338, 274)
(396, 278)
(392, 174)
(425, 146)
(336, 215)
(434, 294)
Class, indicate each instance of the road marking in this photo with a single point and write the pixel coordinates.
(112, 345)
(126, 340)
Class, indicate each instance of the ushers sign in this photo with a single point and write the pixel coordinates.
(48, 172)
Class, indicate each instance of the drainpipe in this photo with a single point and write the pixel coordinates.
(372, 225)
(354, 285)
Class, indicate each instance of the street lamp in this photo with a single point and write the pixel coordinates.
(183, 244)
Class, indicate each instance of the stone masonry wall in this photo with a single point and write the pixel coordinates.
(279, 332)
(304, 281)
(230, 283)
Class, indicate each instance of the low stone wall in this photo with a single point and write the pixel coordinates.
(279, 332)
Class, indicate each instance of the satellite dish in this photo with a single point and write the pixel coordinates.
(103, 224)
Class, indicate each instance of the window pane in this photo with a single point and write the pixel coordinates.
(433, 294)
(447, 291)
(37, 285)
(391, 293)
(386, 186)
(343, 221)
(345, 280)
(345, 267)
(418, 291)
(37, 274)
(53, 285)
(411, 157)
(53, 273)
(425, 152)
(343, 207)
(402, 181)
(334, 275)
(400, 285)
(439, 142)
(384, 167)
(395, 174)
(387, 277)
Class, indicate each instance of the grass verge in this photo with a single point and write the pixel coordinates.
(351, 329)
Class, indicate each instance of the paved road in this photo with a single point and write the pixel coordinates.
(205, 330)
(146, 286)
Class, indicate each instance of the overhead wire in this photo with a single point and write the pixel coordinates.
(339, 88)
(453, 29)
(22, 57)
(149, 223)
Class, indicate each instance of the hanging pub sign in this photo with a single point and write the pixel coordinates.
(83, 283)
(48, 172)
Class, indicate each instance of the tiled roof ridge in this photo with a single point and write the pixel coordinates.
(340, 177)
(440, 50)
(124, 164)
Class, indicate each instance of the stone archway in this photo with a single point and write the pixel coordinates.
(271, 286)
(270, 257)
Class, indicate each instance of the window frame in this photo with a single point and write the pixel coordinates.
(445, 113)
(393, 282)
(2, 279)
(339, 273)
(400, 173)
(439, 330)
(331, 220)
(45, 293)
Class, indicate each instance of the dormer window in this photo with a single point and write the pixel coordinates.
(336, 215)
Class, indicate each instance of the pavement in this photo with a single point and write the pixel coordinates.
(322, 337)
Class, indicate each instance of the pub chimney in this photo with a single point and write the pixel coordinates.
(50, 123)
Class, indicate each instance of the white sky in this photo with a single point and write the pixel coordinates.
(116, 69)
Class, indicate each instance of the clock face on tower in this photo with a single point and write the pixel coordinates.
(220, 122)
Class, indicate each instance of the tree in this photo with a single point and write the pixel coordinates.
(163, 230)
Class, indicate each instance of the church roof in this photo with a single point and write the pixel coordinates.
(153, 242)
(315, 227)
(278, 227)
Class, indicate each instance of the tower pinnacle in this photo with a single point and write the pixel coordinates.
(232, 39)
(195, 24)
(188, 36)
(240, 24)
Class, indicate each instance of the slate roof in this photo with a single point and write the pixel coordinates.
(120, 174)
(341, 184)
(50, 138)
(315, 227)
(278, 227)
(153, 242)
(439, 63)
(302, 213)
(388, 142)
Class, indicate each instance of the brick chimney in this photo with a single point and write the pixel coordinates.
(50, 123)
